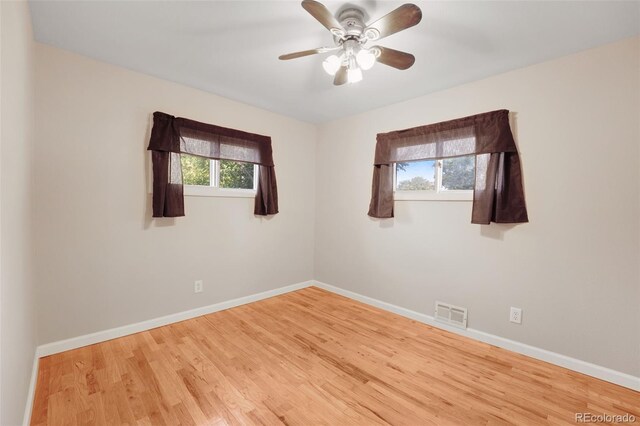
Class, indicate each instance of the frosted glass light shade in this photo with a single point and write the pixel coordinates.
(354, 75)
(332, 64)
(366, 59)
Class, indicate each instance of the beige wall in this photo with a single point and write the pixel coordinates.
(573, 270)
(101, 261)
(17, 297)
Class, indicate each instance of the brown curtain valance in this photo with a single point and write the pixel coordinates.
(498, 194)
(172, 136)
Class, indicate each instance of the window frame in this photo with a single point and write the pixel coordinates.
(214, 190)
(424, 195)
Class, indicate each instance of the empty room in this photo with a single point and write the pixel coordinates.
(286, 212)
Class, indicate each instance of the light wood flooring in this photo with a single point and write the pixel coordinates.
(309, 358)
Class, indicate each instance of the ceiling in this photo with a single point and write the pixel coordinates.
(231, 48)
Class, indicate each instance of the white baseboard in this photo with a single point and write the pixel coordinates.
(125, 330)
(597, 371)
(32, 390)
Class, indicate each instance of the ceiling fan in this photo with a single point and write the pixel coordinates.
(351, 34)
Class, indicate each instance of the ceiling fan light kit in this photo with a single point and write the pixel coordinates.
(351, 34)
(332, 64)
(367, 58)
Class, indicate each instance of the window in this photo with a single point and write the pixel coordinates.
(496, 163)
(224, 178)
(446, 179)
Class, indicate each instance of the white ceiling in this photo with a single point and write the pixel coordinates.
(231, 48)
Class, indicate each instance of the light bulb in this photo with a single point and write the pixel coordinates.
(332, 64)
(354, 75)
(366, 59)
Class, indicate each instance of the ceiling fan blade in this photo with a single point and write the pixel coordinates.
(322, 14)
(341, 76)
(307, 53)
(395, 58)
(406, 16)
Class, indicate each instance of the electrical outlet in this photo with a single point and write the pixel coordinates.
(515, 315)
(197, 286)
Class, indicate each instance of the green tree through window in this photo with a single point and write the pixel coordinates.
(448, 174)
(458, 173)
(195, 170)
(417, 183)
(236, 175)
(232, 174)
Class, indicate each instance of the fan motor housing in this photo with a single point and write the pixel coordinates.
(352, 20)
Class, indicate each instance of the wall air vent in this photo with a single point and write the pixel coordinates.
(452, 315)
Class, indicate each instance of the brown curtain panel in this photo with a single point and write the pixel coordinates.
(498, 195)
(172, 136)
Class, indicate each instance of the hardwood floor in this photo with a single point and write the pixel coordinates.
(308, 358)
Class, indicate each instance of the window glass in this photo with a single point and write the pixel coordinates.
(195, 170)
(458, 173)
(236, 175)
(416, 176)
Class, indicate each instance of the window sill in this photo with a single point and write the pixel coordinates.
(210, 191)
(433, 196)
